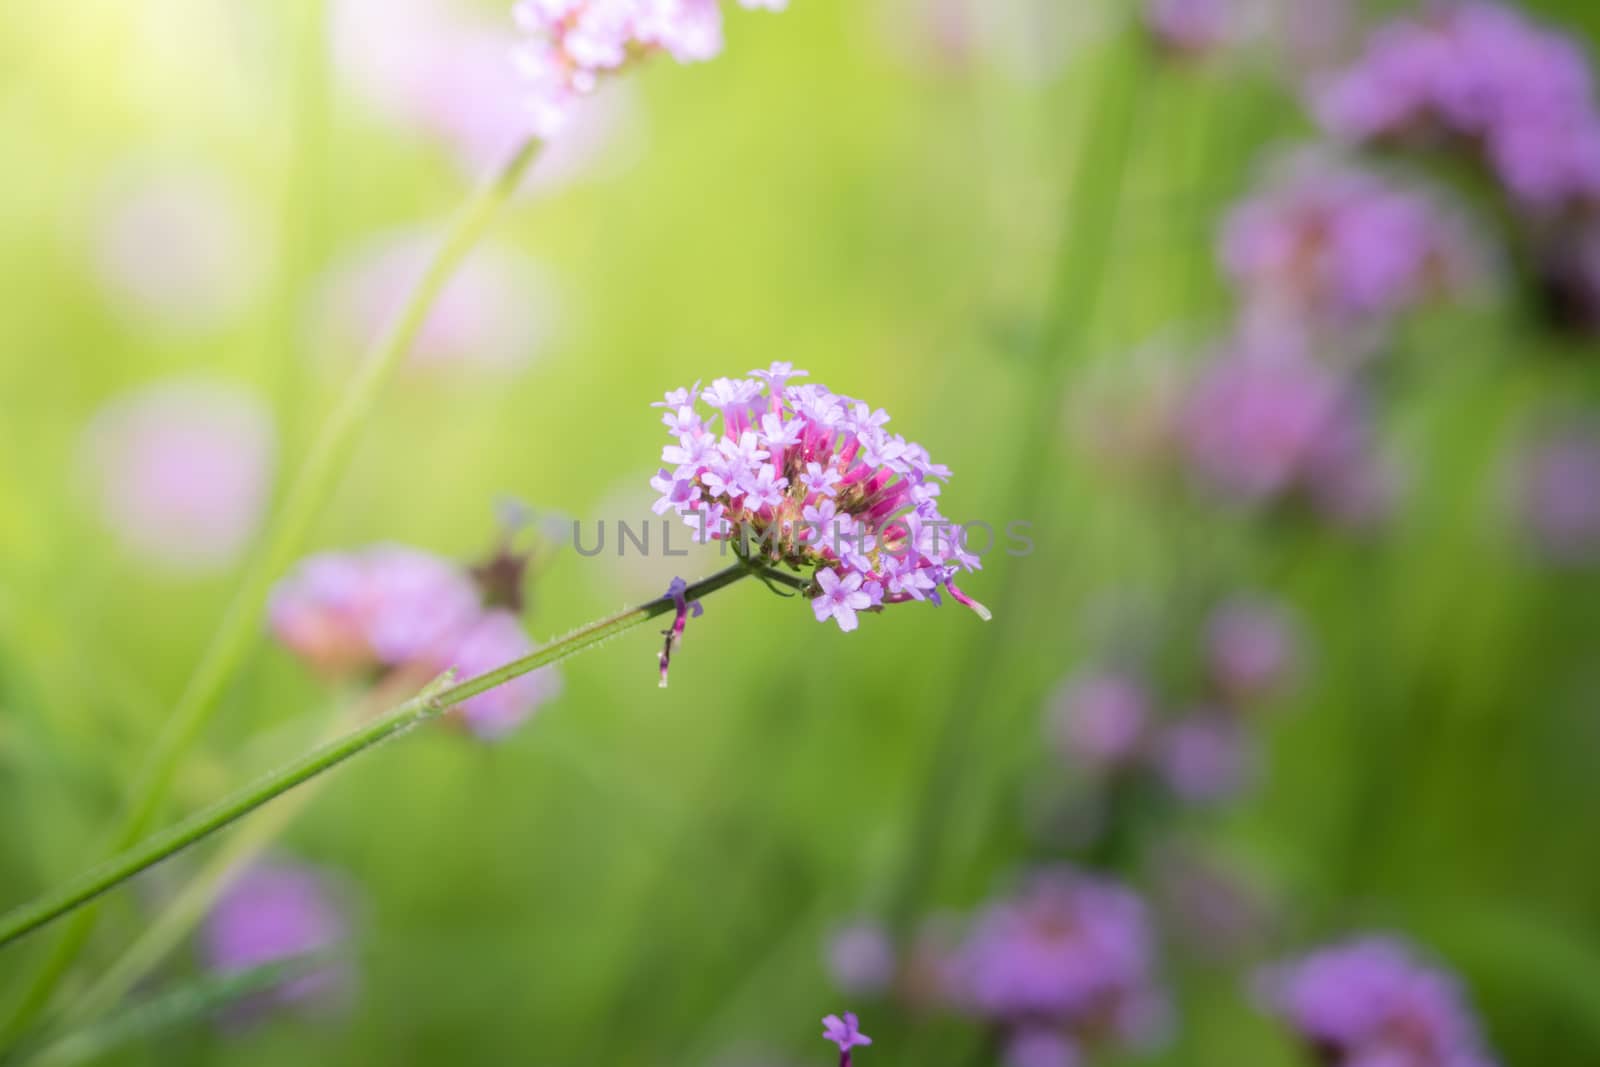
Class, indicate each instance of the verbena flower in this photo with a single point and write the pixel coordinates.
(1041, 1047)
(846, 1033)
(275, 912)
(394, 609)
(1191, 27)
(1099, 720)
(572, 44)
(808, 478)
(181, 471)
(677, 590)
(1373, 1001)
(1252, 647)
(1069, 952)
(1558, 492)
(861, 959)
(1488, 78)
(1204, 757)
(1330, 248)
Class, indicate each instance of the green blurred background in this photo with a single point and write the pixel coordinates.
(647, 877)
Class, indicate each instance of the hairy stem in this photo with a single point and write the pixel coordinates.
(396, 721)
(284, 540)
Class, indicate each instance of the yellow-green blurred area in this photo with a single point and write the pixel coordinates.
(992, 226)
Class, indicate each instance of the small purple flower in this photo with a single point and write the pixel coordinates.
(846, 1033)
(840, 598)
(1099, 720)
(275, 912)
(1558, 489)
(494, 640)
(1204, 758)
(1252, 647)
(1036, 1047)
(1372, 1001)
(1191, 27)
(1068, 949)
(677, 590)
(181, 471)
(861, 959)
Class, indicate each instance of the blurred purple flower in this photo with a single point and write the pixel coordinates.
(177, 247)
(1099, 720)
(1069, 950)
(1372, 1002)
(181, 471)
(861, 959)
(1478, 74)
(1264, 423)
(274, 912)
(1558, 488)
(386, 606)
(494, 313)
(1331, 248)
(1204, 757)
(428, 65)
(1041, 1048)
(1252, 647)
(571, 45)
(494, 640)
(1191, 27)
(1211, 907)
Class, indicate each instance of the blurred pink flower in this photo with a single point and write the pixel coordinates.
(861, 959)
(176, 247)
(1099, 720)
(494, 313)
(182, 471)
(495, 639)
(1252, 647)
(1204, 757)
(1192, 26)
(1558, 490)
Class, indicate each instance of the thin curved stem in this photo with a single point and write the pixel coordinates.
(398, 720)
(284, 540)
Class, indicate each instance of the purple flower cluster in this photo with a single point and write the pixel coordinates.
(389, 608)
(572, 44)
(1191, 27)
(1484, 76)
(275, 912)
(1336, 249)
(1558, 488)
(814, 478)
(1109, 720)
(1372, 1001)
(1265, 423)
(1069, 956)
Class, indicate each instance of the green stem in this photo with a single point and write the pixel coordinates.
(396, 721)
(323, 466)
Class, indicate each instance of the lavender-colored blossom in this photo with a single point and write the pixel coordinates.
(1374, 1002)
(572, 44)
(678, 591)
(1036, 1047)
(846, 1033)
(492, 641)
(1191, 27)
(1100, 720)
(1558, 491)
(1263, 424)
(1332, 248)
(1484, 76)
(428, 66)
(384, 607)
(274, 912)
(812, 479)
(177, 247)
(1252, 647)
(494, 313)
(1067, 949)
(1204, 757)
(861, 959)
(181, 471)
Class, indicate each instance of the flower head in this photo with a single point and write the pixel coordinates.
(1191, 27)
(861, 959)
(1558, 491)
(497, 638)
(275, 912)
(1252, 647)
(1372, 1001)
(572, 44)
(814, 480)
(1204, 758)
(1100, 719)
(678, 592)
(845, 1032)
(181, 471)
(1068, 950)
